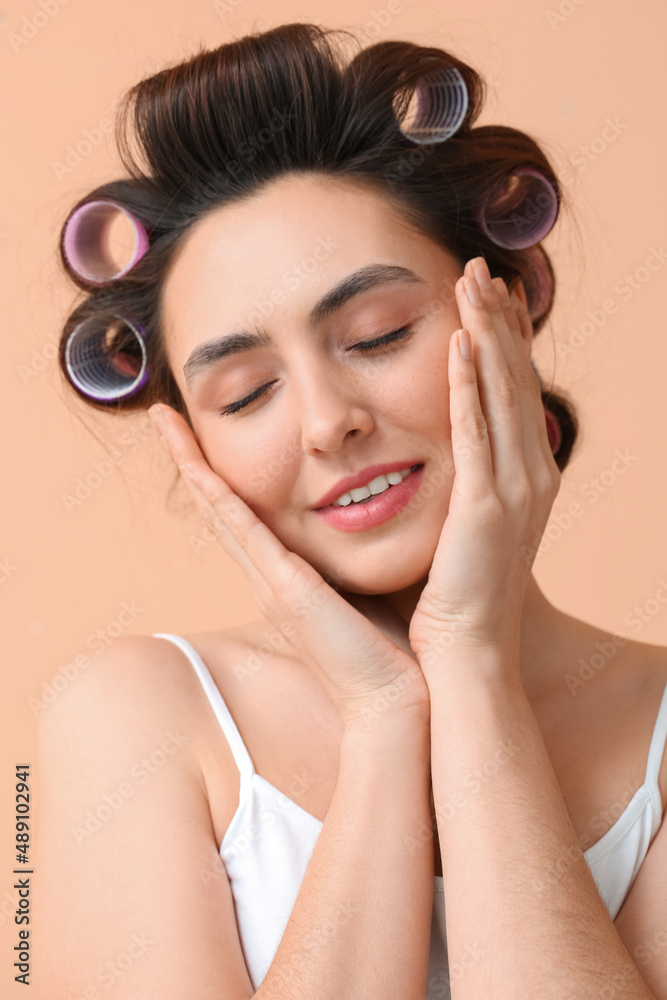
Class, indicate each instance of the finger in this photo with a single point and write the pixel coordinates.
(535, 440)
(498, 392)
(520, 302)
(245, 538)
(511, 322)
(470, 437)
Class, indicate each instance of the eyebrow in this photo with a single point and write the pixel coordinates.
(208, 354)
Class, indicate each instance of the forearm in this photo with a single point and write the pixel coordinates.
(360, 925)
(536, 927)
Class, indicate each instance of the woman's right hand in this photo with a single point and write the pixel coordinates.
(364, 672)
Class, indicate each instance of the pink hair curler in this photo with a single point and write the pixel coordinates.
(553, 431)
(437, 107)
(95, 370)
(520, 210)
(84, 241)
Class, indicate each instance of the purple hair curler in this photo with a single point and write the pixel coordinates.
(84, 246)
(441, 100)
(520, 211)
(98, 373)
(540, 290)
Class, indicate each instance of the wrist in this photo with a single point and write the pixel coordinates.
(379, 721)
(490, 666)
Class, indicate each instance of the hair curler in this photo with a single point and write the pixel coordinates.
(99, 372)
(540, 290)
(437, 107)
(84, 245)
(520, 210)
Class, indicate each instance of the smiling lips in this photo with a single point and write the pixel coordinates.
(363, 478)
(378, 508)
(376, 486)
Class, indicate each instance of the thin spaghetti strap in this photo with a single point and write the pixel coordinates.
(657, 746)
(237, 746)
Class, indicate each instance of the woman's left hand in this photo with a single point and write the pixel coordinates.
(506, 480)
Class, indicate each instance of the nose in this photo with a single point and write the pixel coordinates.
(330, 406)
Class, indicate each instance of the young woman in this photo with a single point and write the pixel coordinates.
(407, 732)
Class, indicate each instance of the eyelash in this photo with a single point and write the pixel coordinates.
(367, 345)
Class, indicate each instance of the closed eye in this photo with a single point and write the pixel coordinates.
(366, 345)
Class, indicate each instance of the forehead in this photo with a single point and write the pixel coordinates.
(268, 257)
(292, 216)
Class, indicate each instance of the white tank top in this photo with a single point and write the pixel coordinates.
(268, 844)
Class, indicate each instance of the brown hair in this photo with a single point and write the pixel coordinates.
(205, 133)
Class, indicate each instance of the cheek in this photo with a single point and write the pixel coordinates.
(421, 397)
(262, 475)
(248, 470)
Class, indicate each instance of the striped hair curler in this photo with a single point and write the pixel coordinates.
(437, 108)
(99, 366)
(520, 210)
(85, 245)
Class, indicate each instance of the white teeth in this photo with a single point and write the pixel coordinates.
(377, 485)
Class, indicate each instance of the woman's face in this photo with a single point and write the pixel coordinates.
(330, 409)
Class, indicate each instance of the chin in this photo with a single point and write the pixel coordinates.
(376, 575)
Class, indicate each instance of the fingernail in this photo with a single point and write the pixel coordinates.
(464, 345)
(482, 273)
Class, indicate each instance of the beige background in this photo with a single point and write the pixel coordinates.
(65, 573)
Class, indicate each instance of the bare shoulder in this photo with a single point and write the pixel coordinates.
(125, 835)
(141, 686)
